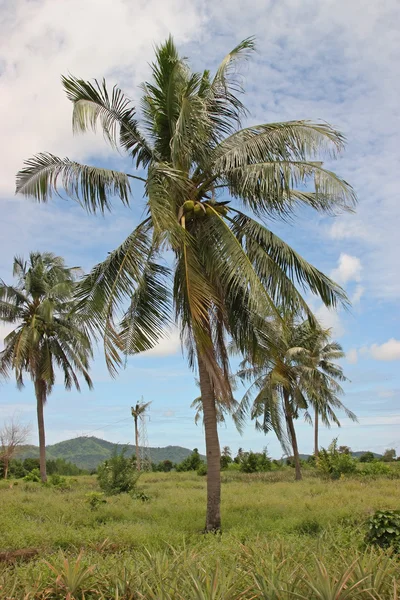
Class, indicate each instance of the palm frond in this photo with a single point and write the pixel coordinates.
(272, 256)
(102, 293)
(270, 187)
(93, 187)
(93, 103)
(149, 312)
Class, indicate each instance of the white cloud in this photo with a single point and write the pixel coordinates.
(168, 345)
(330, 319)
(357, 295)
(348, 269)
(352, 356)
(5, 329)
(387, 351)
(390, 350)
(94, 38)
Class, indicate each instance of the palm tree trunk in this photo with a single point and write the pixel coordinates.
(316, 445)
(293, 437)
(137, 443)
(213, 517)
(40, 390)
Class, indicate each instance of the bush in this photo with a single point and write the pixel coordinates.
(367, 457)
(191, 463)
(253, 462)
(118, 474)
(375, 469)
(95, 499)
(33, 476)
(140, 495)
(331, 463)
(202, 470)
(384, 529)
(308, 526)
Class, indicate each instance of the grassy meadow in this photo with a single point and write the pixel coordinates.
(278, 538)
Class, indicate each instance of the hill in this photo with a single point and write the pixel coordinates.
(89, 452)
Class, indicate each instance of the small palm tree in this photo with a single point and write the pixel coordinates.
(296, 373)
(320, 379)
(47, 335)
(199, 169)
(138, 413)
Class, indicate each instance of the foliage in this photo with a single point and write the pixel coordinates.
(95, 499)
(141, 495)
(367, 457)
(384, 529)
(332, 464)
(191, 463)
(88, 452)
(118, 474)
(374, 469)
(202, 470)
(60, 466)
(389, 455)
(31, 463)
(253, 462)
(33, 476)
(225, 461)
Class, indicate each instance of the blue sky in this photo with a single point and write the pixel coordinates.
(333, 60)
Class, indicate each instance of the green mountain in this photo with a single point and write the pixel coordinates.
(89, 452)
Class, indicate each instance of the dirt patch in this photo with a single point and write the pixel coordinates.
(14, 555)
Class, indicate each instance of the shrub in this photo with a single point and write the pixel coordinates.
(253, 462)
(118, 474)
(384, 529)
(308, 526)
(331, 463)
(191, 463)
(95, 499)
(202, 470)
(58, 481)
(33, 476)
(367, 457)
(375, 469)
(140, 495)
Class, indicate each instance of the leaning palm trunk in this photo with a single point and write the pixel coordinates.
(316, 444)
(293, 437)
(213, 516)
(41, 399)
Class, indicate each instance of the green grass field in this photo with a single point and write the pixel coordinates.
(274, 533)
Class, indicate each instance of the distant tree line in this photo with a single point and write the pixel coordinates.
(21, 468)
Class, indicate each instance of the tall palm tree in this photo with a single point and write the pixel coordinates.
(47, 336)
(138, 413)
(320, 378)
(198, 168)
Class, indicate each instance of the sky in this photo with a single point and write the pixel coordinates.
(337, 61)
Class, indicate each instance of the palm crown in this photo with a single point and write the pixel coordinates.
(203, 177)
(46, 336)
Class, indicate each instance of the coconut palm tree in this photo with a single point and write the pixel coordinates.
(138, 413)
(198, 168)
(321, 377)
(47, 336)
(291, 376)
(275, 397)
